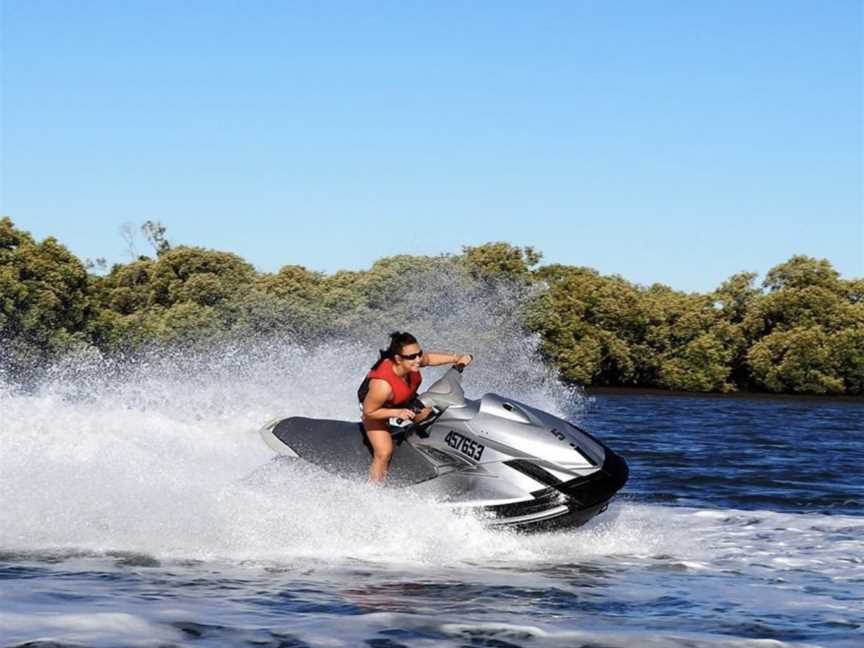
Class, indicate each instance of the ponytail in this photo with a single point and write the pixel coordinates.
(397, 342)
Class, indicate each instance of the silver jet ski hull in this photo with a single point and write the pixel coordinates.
(512, 464)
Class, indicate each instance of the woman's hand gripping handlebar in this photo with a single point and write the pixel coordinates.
(463, 362)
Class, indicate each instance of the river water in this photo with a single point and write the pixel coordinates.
(133, 512)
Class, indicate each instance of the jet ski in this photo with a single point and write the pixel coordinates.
(512, 464)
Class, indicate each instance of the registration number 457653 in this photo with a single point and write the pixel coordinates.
(465, 445)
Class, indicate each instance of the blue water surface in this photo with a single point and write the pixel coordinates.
(743, 520)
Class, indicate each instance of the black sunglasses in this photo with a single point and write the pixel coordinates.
(412, 356)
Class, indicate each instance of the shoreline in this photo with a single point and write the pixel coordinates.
(839, 399)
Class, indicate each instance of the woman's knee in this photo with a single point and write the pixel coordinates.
(383, 450)
(383, 456)
(382, 444)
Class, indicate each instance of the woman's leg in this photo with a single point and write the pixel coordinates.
(378, 433)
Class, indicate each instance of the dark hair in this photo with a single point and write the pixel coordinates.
(398, 341)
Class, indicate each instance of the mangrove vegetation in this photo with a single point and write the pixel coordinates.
(800, 330)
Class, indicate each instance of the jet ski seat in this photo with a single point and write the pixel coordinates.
(342, 447)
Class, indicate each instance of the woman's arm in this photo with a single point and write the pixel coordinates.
(435, 359)
(373, 404)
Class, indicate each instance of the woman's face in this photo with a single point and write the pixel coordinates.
(409, 359)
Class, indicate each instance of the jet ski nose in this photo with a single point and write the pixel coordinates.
(599, 486)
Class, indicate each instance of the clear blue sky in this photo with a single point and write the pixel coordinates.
(664, 141)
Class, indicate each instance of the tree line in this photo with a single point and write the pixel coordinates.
(801, 330)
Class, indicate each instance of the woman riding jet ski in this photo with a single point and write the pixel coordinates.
(390, 387)
(513, 464)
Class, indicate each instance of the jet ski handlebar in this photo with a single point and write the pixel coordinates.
(449, 390)
(460, 366)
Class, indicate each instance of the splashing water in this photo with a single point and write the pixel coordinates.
(153, 454)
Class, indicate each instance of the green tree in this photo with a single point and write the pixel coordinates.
(154, 232)
(701, 364)
(588, 324)
(847, 349)
(186, 292)
(690, 343)
(44, 301)
(802, 272)
(805, 329)
(734, 299)
(801, 359)
(500, 261)
(290, 301)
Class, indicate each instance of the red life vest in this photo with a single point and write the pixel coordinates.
(402, 393)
